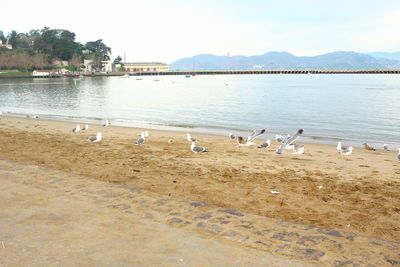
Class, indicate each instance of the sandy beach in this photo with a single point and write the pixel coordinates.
(358, 193)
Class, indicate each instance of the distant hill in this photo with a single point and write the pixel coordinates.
(285, 60)
(392, 56)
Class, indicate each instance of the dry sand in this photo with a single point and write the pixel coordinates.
(359, 193)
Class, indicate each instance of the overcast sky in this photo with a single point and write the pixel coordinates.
(155, 30)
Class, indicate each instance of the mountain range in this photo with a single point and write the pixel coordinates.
(285, 60)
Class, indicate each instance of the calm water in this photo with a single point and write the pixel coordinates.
(354, 108)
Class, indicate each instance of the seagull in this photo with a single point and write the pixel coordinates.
(385, 147)
(232, 136)
(141, 139)
(346, 152)
(197, 149)
(280, 139)
(35, 117)
(367, 147)
(106, 123)
(298, 149)
(249, 140)
(289, 141)
(340, 147)
(398, 155)
(190, 138)
(76, 129)
(96, 138)
(84, 128)
(266, 144)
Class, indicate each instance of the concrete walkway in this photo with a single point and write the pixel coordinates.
(48, 217)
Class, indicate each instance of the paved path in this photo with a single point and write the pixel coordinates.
(48, 217)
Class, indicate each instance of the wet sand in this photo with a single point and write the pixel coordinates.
(358, 193)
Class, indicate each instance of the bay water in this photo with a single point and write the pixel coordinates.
(354, 108)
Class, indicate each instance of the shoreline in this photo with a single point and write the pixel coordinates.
(219, 131)
(358, 193)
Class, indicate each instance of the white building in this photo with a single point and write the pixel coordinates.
(8, 46)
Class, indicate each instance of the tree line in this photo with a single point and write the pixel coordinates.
(43, 48)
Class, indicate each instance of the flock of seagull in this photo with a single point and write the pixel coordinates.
(286, 142)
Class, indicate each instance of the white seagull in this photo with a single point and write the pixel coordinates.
(298, 149)
(289, 141)
(197, 149)
(190, 138)
(385, 147)
(346, 152)
(398, 155)
(84, 128)
(340, 147)
(280, 139)
(96, 138)
(249, 140)
(106, 123)
(232, 136)
(141, 139)
(76, 129)
(266, 144)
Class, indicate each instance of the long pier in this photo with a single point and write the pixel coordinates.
(310, 71)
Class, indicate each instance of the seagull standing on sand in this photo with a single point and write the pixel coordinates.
(298, 149)
(385, 147)
(249, 140)
(76, 129)
(289, 141)
(106, 123)
(232, 136)
(346, 152)
(340, 147)
(398, 155)
(197, 149)
(280, 139)
(141, 139)
(190, 138)
(96, 138)
(266, 144)
(84, 128)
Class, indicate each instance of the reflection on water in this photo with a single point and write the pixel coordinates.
(353, 107)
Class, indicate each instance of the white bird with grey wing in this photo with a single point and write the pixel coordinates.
(289, 141)
(197, 149)
(398, 155)
(232, 136)
(266, 144)
(96, 138)
(84, 128)
(297, 149)
(76, 129)
(346, 152)
(249, 140)
(141, 139)
(340, 147)
(106, 123)
(385, 147)
(190, 138)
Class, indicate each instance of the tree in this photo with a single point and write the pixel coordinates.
(2, 37)
(12, 38)
(118, 59)
(99, 52)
